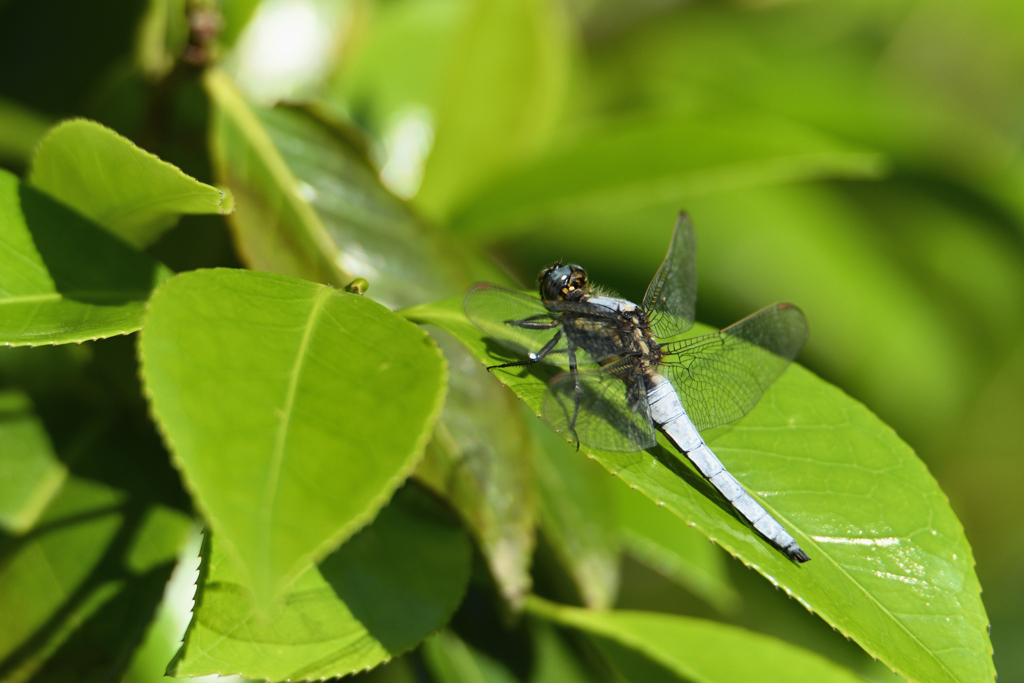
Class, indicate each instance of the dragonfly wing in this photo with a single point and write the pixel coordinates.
(496, 310)
(613, 415)
(671, 298)
(721, 376)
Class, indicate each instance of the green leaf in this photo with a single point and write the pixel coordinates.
(577, 520)
(293, 410)
(377, 596)
(501, 93)
(666, 544)
(693, 649)
(20, 131)
(451, 660)
(376, 235)
(479, 459)
(275, 227)
(127, 190)
(163, 34)
(78, 589)
(62, 279)
(634, 163)
(399, 63)
(30, 473)
(323, 188)
(310, 206)
(891, 566)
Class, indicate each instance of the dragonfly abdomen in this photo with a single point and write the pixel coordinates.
(668, 414)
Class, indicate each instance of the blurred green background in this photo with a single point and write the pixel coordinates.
(864, 160)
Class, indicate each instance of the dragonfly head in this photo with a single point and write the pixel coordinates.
(559, 282)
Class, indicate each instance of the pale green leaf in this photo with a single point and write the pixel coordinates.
(890, 566)
(30, 473)
(127, 190)
(696, 650)
(63, 279)
(293, 410)
(377, 596)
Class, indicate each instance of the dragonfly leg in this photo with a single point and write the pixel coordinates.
(577, 391)
(540, 355)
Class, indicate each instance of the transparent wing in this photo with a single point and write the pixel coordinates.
(671, 298)
(613, 414)
(721, 376)
(497, 310)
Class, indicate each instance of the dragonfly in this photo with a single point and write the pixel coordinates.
(628, 372)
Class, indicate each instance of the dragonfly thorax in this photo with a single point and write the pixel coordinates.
(560, 282)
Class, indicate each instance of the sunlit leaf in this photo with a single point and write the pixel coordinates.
(377, 596)
(692, 649)
(890, 566)
(30, 473)
(63, 279)
(293, 410)
(127, 190)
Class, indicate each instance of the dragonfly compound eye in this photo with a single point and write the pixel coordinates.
(553, 281)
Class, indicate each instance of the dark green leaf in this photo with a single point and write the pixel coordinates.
(30, 473)
(375, 597)
(20, 131)
(578, 522)
(479, 459)
(451, 660)
(79, 589)
(294, 410)
(163, 33)
(665, 543)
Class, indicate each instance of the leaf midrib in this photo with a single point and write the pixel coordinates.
(277, 455)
